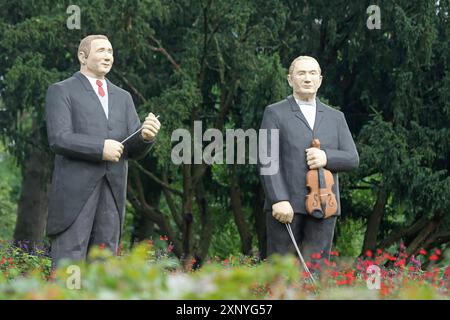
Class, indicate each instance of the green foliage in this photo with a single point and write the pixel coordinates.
(225, 240)
(142, 275)
(9, 193)
(23, 261)
(350, 237)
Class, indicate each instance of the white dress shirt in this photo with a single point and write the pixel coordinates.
(104, 99)
(309, 111)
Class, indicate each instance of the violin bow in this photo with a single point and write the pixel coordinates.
(291, 234)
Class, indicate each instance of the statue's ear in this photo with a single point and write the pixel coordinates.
(81, 57)
(289, 80)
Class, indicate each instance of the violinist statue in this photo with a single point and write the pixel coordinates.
(301, 118)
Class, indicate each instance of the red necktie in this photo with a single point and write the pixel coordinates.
(101, 92)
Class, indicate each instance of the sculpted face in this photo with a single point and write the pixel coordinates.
(100, 59)
(305, 79)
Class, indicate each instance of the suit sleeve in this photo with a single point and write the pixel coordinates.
(137, 147)
(61, 136)
(273, 181)
(346, 157)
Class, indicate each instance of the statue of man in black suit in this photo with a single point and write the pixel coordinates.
(86, 117)
(300, 118)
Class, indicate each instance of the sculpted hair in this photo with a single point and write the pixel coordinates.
(291, 68)
(85, 43)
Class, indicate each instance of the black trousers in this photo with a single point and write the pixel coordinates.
(313, 236)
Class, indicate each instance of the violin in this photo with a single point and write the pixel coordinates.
(320, 199)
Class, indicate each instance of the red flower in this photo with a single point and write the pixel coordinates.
(169, 248)
(226, 261)
(433, 257)
(3, 261)
(317, 266)
(316, 256)
(334, 274)
(10, 261)
(379, 251)
(447, 272)
(437, 252)
(422, 252)
(369, 253)
(334, 253)
(384, 290)
(400, 262)
(102, 246)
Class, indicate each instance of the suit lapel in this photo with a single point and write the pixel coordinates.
(297, 112)
(111, 109)
(91, 93)
(319, 115)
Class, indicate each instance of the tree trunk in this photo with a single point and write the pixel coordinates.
(239, 219)
(206, 223)
(260, 221)
(396, 235)
(187, 216)
(33, 202)
(373, 225)
(422, 236)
